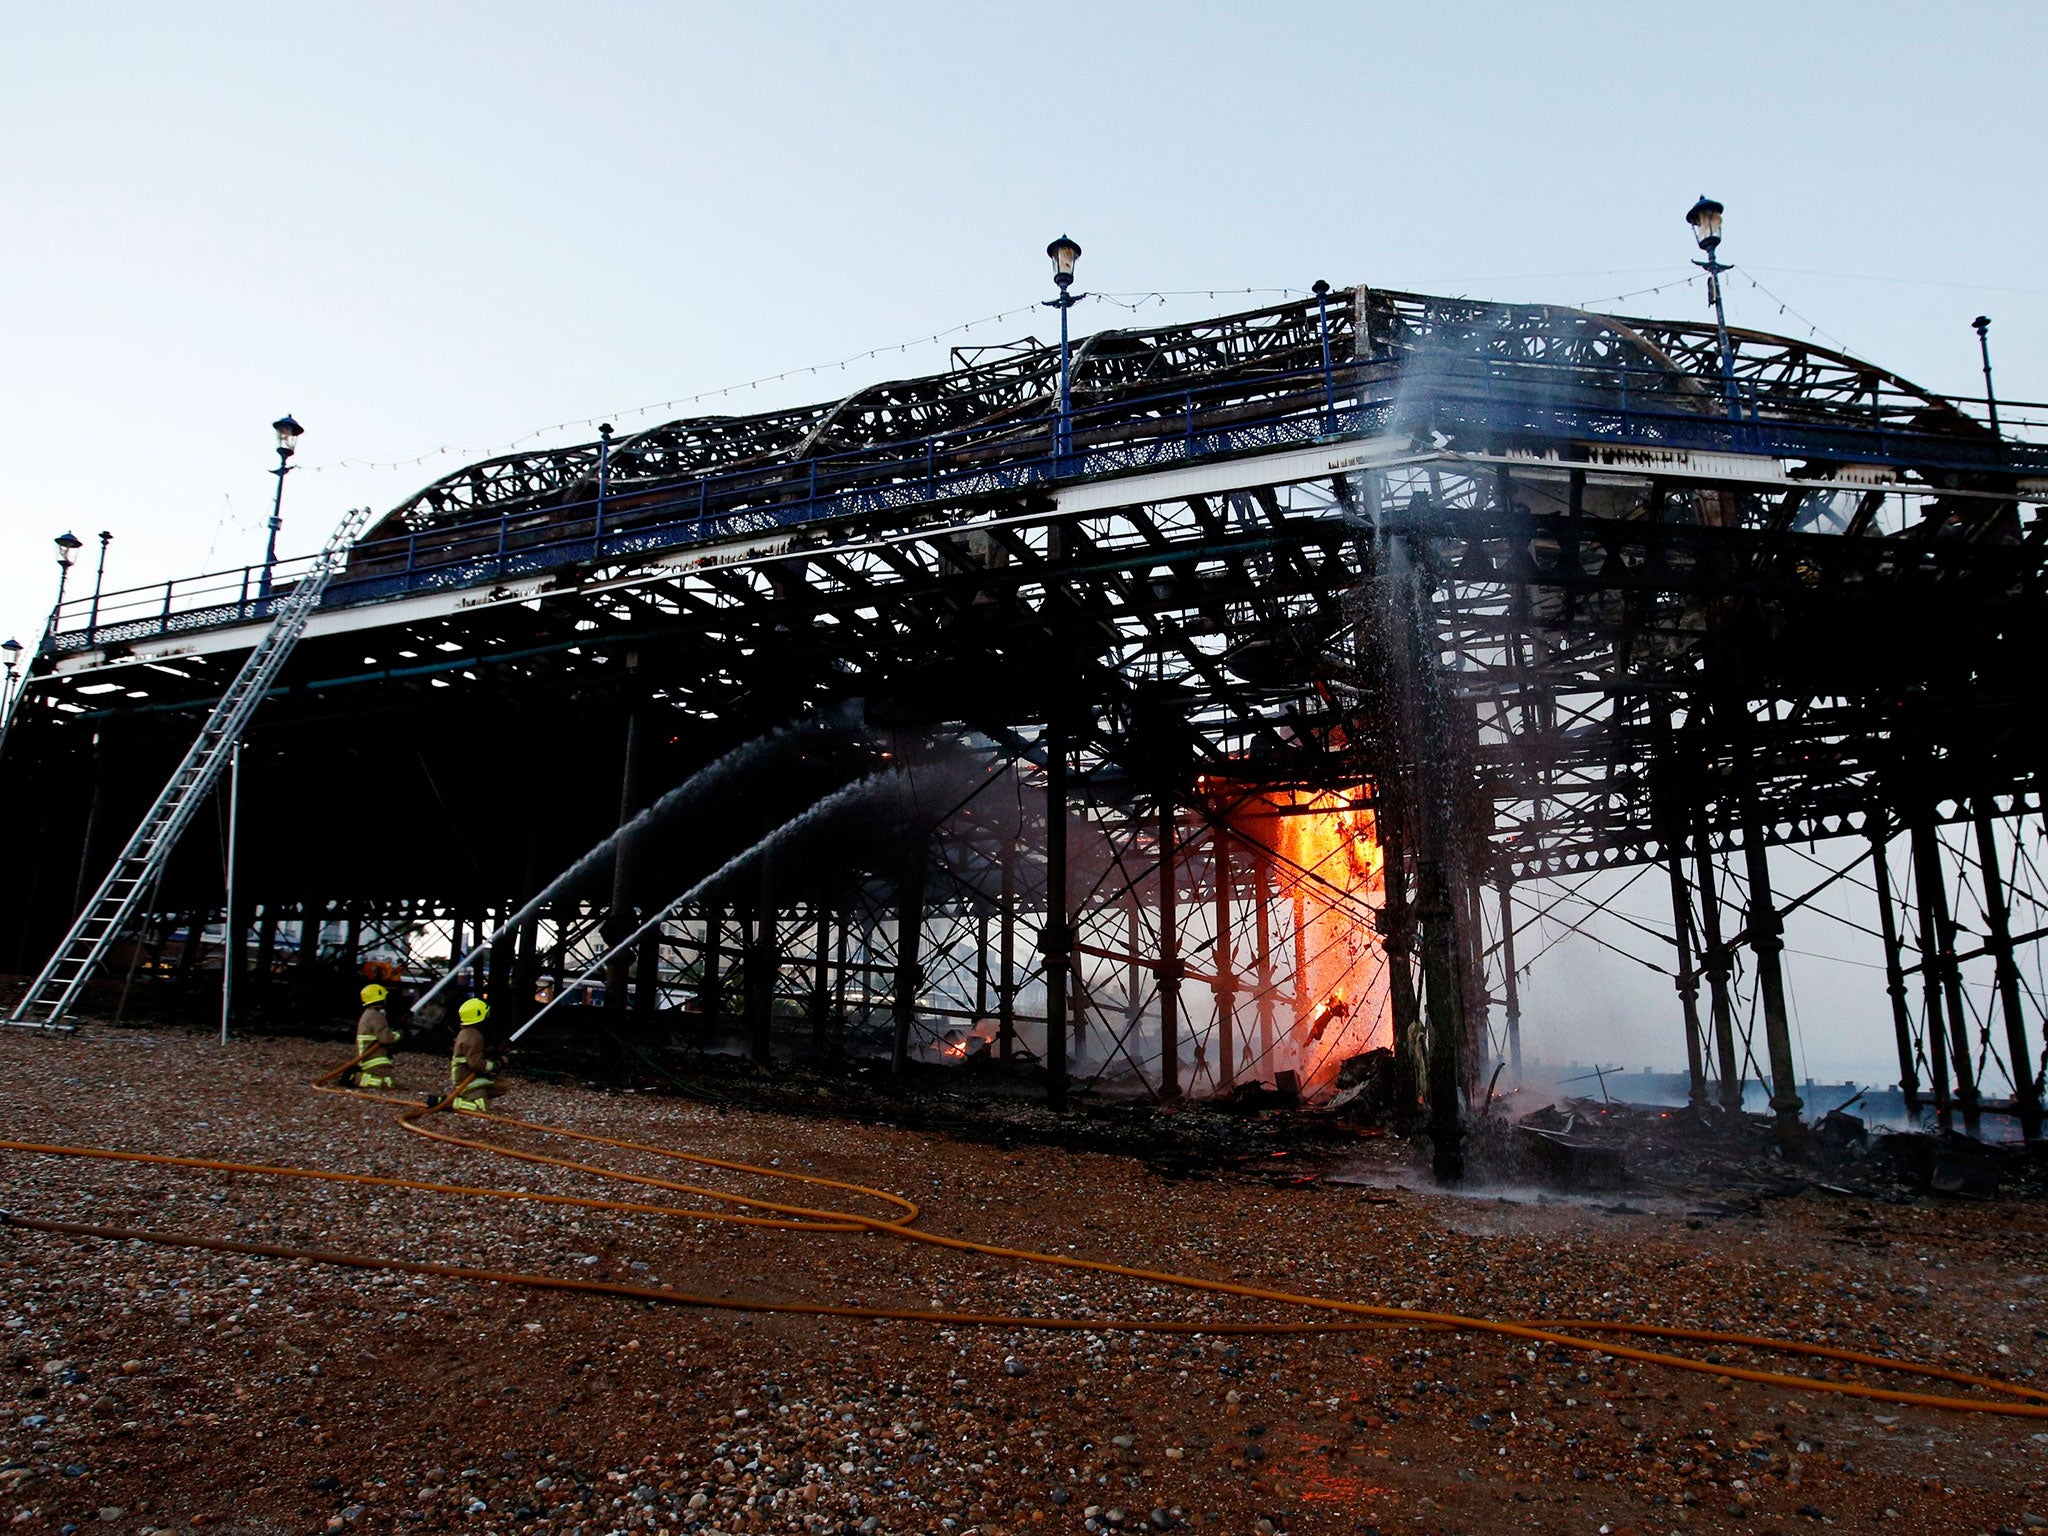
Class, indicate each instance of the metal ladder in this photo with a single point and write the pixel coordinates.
(135, 872)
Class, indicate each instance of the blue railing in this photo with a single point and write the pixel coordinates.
(1486, 398)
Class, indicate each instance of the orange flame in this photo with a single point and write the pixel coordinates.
(1329, 972)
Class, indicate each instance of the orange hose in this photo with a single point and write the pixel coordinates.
(1447, 1320)
(782, 1216)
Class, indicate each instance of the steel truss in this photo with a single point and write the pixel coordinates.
(1512, 578)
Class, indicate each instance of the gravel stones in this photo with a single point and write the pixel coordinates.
(178, 1386)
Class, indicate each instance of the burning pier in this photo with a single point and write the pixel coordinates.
(1237, 706)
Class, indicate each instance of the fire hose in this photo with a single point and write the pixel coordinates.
(1352, 1316)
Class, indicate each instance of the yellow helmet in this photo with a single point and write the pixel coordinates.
(475, 1011)
(375, 994)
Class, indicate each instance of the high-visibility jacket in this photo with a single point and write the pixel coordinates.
(472, 1060)
(374, 1039)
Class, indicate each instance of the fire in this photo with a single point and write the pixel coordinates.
(1329, 974)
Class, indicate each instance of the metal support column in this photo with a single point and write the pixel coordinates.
(821, 975)
(1262, 957)
(619, 919)
(1719, 963)
(1006, 973)
(1687, 979)
(1479, 1057)
(526, 939)
(266, 949)
(312, 924)
(1397, 942)
(1511, 991)
(1442, 1000)
(909, 976)
(1298, 1033)
(1169, 968)
(1437, 804)
(759, 967)
(2026, 1096)
(647, 978)
(1225, 973)
(1134, 974)
(1879, 830)
(188, 953)
(500, 960)
(839, 984)
(1926, 897)
(1057, 939)
(764, 958)
(1949, 968)
(231, 911)
(1766, 930)
(981, 977)
(710, 975)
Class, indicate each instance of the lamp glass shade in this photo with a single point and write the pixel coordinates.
(288, 433)
(1705, 219)
(66, 543)
(1064, 253)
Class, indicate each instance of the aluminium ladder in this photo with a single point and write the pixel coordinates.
(135, 872)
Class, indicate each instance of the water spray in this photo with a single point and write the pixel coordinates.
(692, 787)
(837, 800)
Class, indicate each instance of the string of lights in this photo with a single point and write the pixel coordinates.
(1786, 309)
(1161, 295)
(588, 423)
(1900, 281)
(1637, 293)
(1130, 301)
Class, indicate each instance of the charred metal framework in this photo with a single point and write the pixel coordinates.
(1513, 581)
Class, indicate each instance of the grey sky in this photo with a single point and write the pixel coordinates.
(422, 225)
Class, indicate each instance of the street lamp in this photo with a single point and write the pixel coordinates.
(68, 545)
(288, 434)
(1705, 219)
(1064, 253)
(1321, 290)
(99, 580)
(11, 649)
(1982, 326)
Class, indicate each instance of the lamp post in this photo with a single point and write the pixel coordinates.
(11, 649)
(1982, 326)
(99, 580)
(288, 434)
(68, 545)
(1064, 253)
(1705, 219)
(1321, 290)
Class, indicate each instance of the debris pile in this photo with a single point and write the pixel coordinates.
(1587, 1146)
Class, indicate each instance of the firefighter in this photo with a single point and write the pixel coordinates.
(472, 1060)
(374, 1039)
